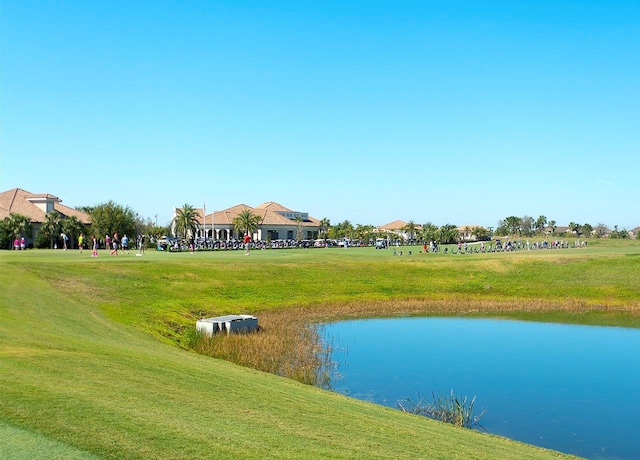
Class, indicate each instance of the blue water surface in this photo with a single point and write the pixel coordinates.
(575, 389)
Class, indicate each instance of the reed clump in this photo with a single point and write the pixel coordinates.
(285, 344)
(453, 409)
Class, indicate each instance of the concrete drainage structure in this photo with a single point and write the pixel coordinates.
(228, 324)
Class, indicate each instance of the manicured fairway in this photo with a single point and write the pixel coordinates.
(91, 364)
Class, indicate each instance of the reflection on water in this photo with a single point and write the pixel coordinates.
(570, 388)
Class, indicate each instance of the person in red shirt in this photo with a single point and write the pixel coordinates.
(247, 241)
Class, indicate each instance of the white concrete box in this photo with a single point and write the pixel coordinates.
(228, 324)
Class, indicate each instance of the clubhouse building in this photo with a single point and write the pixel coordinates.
(276, 223)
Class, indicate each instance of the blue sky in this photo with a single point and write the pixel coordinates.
(459, 112)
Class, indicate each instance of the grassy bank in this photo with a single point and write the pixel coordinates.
(89, 362)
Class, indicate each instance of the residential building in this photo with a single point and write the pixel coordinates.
(397, 229)
(36, 206)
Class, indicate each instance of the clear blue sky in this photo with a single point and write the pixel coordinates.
(458, 112)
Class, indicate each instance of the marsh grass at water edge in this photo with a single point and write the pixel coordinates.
(448, 408)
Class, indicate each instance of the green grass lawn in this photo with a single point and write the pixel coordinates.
(91, 364)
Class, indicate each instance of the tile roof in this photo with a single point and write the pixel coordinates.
(395, 225)
(19, 201)
(269, 213)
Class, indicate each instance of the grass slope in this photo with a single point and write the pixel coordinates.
(73, 378)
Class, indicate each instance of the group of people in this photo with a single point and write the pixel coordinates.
(19, 244)
(65, 241)
(116, 243)
(498, 246)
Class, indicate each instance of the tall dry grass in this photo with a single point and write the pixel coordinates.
(285, 344)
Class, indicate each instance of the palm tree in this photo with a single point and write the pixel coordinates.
(51, 226)
(364, 233)
(480, 233)
(19, 225)
(344, 229)
(298, 220)
(448, 234)
(246, 222)
(410, 229)
(185, 222)
(541, 221)
(552, 225)
(429, 232)
(574, 228)
(72, 227)
(325, 225)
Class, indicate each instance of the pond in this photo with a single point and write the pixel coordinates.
(575, 389)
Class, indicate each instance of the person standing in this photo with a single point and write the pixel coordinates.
(114, 243)
(107, 242)
(65, 239)
(80, 242)
(23, 244)
(125, 243)
(247, 241)
(16, 244)
(94, 245)
(140, 244)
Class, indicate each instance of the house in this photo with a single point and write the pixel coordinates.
(398, 228)
(276, 223)
(555, 231)
(466, 233)
(36, 206)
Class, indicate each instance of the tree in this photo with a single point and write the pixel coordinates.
(325, 225)
(501, 229)
(185, 222)
(51, 227)
(246, 222)
(342, 230)
(410, 229)
(587, 230)
(298, 220)
(429, 232)
(513, 225)
(526, 226)
(620, 234)
(574, 228)
(448, 234)
(364, 233)
(481, 233)
(540, 223)
(5, 238)
(552, 226)
(72, 227)
(601, 230)
(108, 218)
(18, 226)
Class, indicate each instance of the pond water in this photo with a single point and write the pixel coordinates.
(575, 389)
